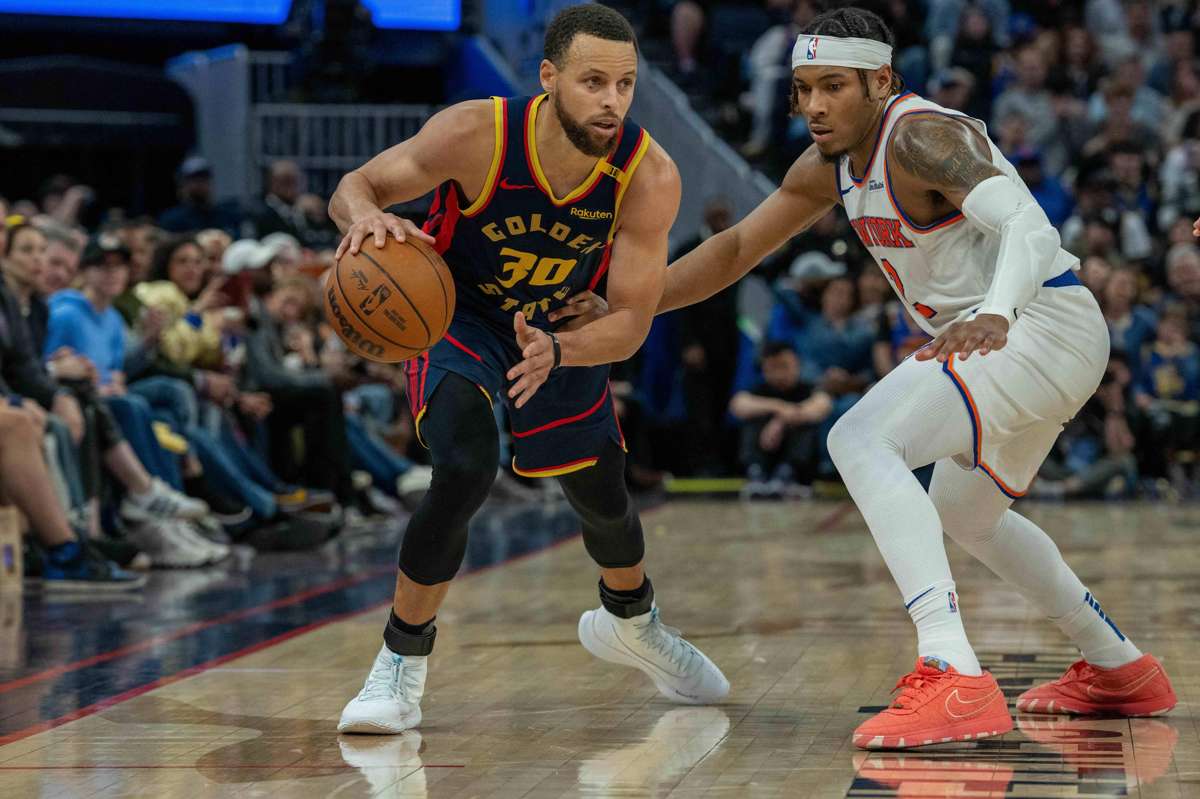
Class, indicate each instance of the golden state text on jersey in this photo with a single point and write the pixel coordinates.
(517, 246)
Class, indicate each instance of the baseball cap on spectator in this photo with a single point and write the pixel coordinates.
(815, 266)
(246, 254)
(99, 247)
(194, 166)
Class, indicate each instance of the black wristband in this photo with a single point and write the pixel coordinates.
(557, 352)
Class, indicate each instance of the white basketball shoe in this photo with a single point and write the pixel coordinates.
(390, 699)
(681, 671)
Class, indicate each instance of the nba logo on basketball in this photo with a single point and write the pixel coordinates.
(953, 602)
(812, 48)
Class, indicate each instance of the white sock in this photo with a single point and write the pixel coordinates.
(978, 518)
(940, 630)
(1098, 639)
(912, 417)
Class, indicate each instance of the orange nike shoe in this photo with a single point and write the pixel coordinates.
(1140, 688)
(937, 704)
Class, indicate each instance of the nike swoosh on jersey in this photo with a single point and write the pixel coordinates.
(504, 184)
(972, 707)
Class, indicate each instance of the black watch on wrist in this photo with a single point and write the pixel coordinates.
(557, 351)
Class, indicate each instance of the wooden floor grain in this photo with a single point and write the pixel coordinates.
(791, 600)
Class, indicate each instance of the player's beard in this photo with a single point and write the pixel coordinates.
(583, 139)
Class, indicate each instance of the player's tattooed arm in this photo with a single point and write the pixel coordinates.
(940, 154)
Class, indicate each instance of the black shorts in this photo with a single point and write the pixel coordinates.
(562, 429)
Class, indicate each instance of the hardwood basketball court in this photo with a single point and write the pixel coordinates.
(209, 699)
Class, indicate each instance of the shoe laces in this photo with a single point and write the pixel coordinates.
(667, 641)
(915, 686)
(1079, 670)
(389, 680)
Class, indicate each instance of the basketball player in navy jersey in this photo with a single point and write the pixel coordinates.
(537, 200)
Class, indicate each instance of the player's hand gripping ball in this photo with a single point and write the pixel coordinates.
(390, 296)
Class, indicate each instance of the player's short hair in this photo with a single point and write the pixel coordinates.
(852, 22)
(589, 19)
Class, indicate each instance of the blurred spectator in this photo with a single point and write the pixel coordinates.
(1030, 98)
(62, 258)
(1179, 176)
(780, 418)
(67, 561)
(1094, 456)
(709, 348)
(214, 243)
(687, 25)
(1130, 326)
(277, 212)
(834, 346)
(317, 230)
(197, 210)
(953, 88)
(1183, 282)
(1168, 397)
(1148, 107)
(1047, 189)
(308, 399)
(770, 66)
(975, 51)
(1179, 48)
(1079, 68)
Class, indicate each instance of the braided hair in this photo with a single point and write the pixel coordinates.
(852, 22)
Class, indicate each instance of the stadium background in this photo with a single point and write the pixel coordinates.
(152, 121)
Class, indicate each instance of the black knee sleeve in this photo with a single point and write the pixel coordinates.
(612, 531)
(463, 443)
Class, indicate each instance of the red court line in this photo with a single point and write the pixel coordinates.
(191, 629)
(132, 693)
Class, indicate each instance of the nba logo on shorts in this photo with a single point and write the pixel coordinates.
(953, 602)
(812, 48)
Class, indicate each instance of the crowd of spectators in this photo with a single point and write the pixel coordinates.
(173, 391)
(1097, 103)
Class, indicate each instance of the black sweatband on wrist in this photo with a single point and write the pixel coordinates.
(557, 352)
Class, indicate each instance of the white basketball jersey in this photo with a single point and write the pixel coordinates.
(941, 271)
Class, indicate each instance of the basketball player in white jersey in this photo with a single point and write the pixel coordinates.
(1019, 347)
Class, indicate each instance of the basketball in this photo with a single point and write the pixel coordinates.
(390, 304)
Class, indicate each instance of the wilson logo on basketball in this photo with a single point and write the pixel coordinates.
(377, 297)
(584, 213)
(348, 331)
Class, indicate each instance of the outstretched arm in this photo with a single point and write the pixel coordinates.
(808, 192)
(944, 156)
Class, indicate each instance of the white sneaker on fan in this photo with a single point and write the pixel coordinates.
(681, 671)
(390, 699)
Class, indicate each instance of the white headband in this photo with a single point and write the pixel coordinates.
(834, 51)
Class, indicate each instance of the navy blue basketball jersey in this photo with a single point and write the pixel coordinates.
(518, 247)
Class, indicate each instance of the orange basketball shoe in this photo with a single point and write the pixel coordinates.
(937, 704)
(1140, 688)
